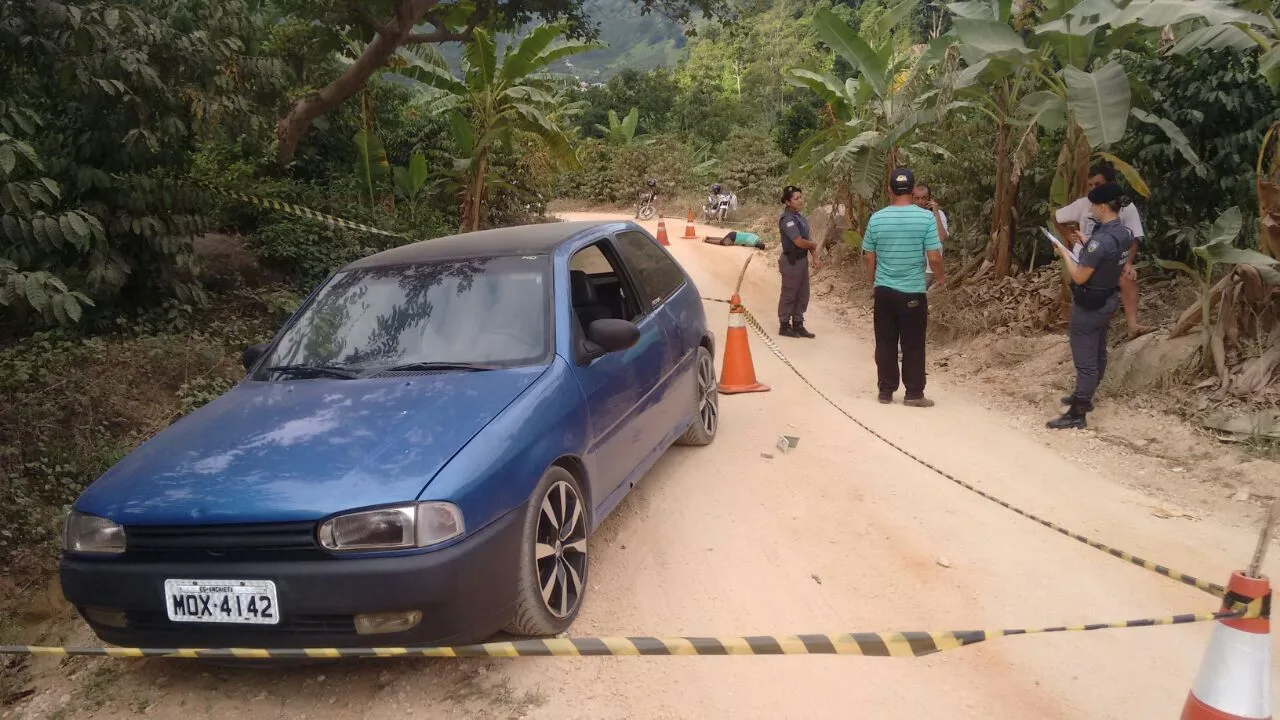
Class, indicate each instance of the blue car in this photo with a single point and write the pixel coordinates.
(418, 457)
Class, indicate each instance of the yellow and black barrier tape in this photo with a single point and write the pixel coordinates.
(297, 210)
(1212, 588)
(865, 644)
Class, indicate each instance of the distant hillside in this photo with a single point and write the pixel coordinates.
(634, 41)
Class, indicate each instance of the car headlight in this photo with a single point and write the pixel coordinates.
(415, 525)
(84, 533)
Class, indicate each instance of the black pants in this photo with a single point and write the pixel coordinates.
(900, 320)
(794, 299)
(1088, 338)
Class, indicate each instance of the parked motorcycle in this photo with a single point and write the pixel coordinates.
(648, 205)
(717, 207)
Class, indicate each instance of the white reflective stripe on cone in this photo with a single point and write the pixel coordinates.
(737, 320)
(1235, 677)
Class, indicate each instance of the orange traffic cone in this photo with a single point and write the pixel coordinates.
(662, 232)
(1234, 682)
(738, 374)
(689, 232)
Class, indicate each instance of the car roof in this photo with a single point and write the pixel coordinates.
(522, 239)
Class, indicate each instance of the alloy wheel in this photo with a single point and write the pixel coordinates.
(708, 398)
(560, 549)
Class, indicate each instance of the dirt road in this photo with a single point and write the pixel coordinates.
(841, 534)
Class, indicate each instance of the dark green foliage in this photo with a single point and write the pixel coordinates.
(618, 174)
(119, 95)
(751, 163)
(70, 407)
(797, 124)
(653, 94)
(1224, 107)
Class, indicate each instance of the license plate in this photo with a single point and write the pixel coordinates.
(251, 602)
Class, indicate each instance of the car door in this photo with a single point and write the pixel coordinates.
(617, 387)
(660, 277)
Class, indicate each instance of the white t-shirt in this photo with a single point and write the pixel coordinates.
(1078, 213)
(943, 216)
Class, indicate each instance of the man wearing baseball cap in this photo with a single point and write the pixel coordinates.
(899, 240)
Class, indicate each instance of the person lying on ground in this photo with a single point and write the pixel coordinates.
(735, 237)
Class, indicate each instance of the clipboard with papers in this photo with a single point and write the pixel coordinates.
(1073, 252)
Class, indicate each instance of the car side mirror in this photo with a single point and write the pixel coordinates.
(609, 335)
(253, 353)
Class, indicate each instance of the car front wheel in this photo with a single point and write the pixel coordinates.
(553, 557)
(706, 407)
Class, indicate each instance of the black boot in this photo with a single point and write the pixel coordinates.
(786, 330)
(1072, 419)
(1068, 399)
(800, 331)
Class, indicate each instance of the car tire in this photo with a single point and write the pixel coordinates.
(553, 563)
(706, 402)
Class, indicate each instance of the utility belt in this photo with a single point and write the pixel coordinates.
(1090, 297)
(795, 255)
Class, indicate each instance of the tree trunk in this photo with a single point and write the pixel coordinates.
(386, 41)
(472, 213)
(1268, 171)
(1002, 210)
(1077, 153)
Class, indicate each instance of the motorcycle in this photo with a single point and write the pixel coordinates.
(717, 208)
(648, 205)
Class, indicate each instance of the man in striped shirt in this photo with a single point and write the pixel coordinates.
(898, 242)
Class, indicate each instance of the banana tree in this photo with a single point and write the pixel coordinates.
(1091, 92)
(372, 166)
(1001, 73)
(1060, 75)
(622, 131)
(1216, 250)
(872, 116)
(492, 101)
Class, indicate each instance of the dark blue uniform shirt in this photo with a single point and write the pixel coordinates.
(792, 225)
(1106, 252)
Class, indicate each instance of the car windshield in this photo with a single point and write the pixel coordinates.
(483, 312)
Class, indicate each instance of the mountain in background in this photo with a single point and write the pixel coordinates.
(633, 41)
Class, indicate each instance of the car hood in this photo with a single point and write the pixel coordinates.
(303, 449)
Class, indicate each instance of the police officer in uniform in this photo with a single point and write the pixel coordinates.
(1095, 283)
(794, 264)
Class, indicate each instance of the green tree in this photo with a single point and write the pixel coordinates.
(1063, 74)
(35, 233)
(622, 131)
(494, 101)
(123, 94)
(1225, 104)
(874, 115)
(389, 26)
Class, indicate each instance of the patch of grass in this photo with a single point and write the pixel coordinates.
(72, 405)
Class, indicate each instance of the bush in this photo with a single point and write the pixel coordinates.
(615, 174)
(751, 164)
(72, 406)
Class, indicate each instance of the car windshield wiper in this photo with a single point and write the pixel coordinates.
(329, 371)
(421, 366)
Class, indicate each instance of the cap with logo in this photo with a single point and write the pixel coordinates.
(902, 181)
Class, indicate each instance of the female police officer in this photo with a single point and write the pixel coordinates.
(1095, 281)
(794, 264)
